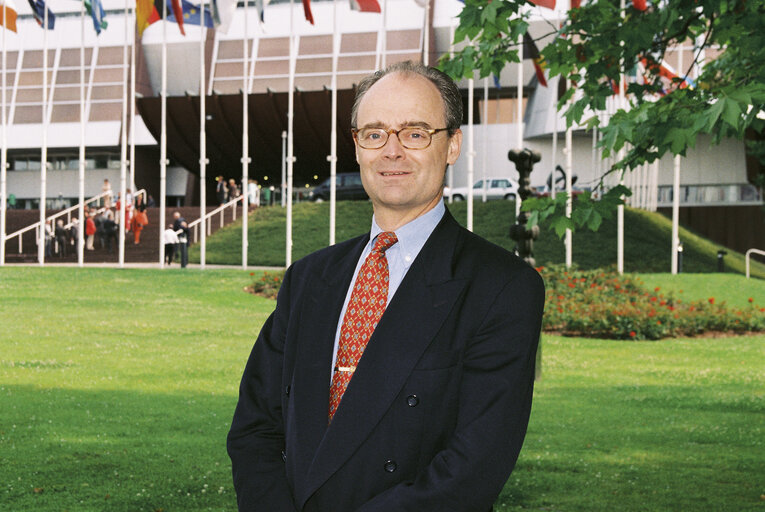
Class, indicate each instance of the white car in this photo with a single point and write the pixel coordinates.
(496, 188)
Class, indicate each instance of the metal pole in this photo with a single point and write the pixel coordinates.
(333, 133)
(519, 115)
(283, 186)
(123, 145)
(426, 35)
(163, 142)
(471, 156)
(81, 164)
(620, 208)
(569, 192)
(132, 114)
(676, 195)
(3, 152)
(485, 123)
(203, 138)
(44, 149)
(245, 139)
(290, 146)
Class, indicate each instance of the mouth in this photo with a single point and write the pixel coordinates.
(393, 173)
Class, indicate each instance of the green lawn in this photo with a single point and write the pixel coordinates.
(646, 242)
(117, 388)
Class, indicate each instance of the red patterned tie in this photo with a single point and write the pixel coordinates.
(366, 306)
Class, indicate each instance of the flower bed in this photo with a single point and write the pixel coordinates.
(267, 285)
(603, 304)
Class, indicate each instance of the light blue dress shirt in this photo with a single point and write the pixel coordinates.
(411, 238)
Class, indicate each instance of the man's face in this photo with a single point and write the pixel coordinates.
(405, 183)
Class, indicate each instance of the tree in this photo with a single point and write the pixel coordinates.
(599, 42)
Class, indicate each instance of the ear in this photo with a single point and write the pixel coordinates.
(455, 146)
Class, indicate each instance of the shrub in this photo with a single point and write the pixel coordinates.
(604, 304)
(267, 285)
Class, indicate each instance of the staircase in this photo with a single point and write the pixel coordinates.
(145, 252)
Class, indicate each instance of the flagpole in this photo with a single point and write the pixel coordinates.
(81, 163)
(554, 142)
(132, 111)
(163, 141)
(333, 133)
(203, 141)
(471, 156)
(384, 48)
(519, 115)
(485, 122)
(123, 145)
(245, 137)
(290, 142)
(676, 193)
(44, 148)
(620, 208)
(3, 149)
(426, 35)
(569, 199)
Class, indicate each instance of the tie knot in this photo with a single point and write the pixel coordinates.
(384, 241)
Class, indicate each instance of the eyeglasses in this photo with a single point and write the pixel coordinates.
(410, 137)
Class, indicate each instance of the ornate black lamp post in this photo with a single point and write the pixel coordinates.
(524, 160)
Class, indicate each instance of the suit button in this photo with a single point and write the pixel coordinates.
(390, 466)
(284, 456)
(287, 390)
(412, 400)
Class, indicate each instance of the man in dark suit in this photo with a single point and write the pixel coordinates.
(437, 404)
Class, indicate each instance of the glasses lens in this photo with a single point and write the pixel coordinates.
(372, 138)
(414, 138)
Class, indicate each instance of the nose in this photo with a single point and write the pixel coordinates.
(393, 148)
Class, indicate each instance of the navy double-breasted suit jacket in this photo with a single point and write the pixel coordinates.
(436, 412)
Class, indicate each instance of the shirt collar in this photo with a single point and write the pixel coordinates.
(412, 235)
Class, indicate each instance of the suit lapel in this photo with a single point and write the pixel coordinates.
(318, 319)
(418, 309)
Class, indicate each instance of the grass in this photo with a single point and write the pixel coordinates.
(117, 388)
(647, 238)
(734, 290)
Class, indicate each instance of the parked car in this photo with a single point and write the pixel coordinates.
(496, 188)
(347, 186)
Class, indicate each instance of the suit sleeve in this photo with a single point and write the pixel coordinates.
(256, 438)
(494, 407)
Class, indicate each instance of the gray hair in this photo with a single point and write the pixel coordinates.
(450, 94)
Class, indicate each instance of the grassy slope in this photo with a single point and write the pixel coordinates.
(647, 238)
(117, 389)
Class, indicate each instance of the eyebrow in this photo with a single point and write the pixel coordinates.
(407, 124)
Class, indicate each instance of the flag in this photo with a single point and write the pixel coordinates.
(8, 14)
(38, 9)
(365, 5)
(145, 14)
(550, 4)
(530, 51)
(307, 11)
(192, 14)
(178, 12)
(261, 6)
(96, 10)
(640, 5)
(223, 13)
(173, 6)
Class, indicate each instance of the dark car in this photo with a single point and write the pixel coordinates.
(347, 186)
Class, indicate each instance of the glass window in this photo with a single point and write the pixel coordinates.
(33, 165)
(478, 184)
(352, 180)
(500, 183)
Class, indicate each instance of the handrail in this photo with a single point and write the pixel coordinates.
(195, 224)
(36, 226)
(750, 251)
